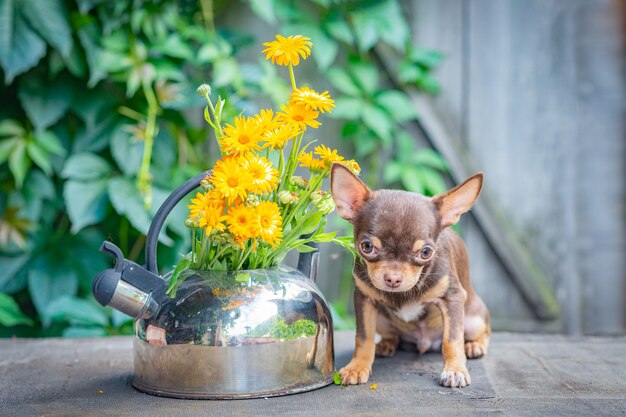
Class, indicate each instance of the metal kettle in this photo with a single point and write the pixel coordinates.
(235, 334)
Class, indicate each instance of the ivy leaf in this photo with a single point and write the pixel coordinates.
(44, 103)
(320, 39)
(379, 121)
(10, 127)
(432, 180)
(264, 9)
(430, 158)
(76, 311)
(10, 313)
(10, 267)
(397, 105)
(20, 47)
(40, 157)
(127, 202)
(49, 18)
(392, 172)
(342, 81)
(126, 151)
(85, 167)
(348, 108)
(365, 74)
(19, 163)
(85, 202)
(412, 179)
(49, 278)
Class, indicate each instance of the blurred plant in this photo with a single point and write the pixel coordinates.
(95, 127)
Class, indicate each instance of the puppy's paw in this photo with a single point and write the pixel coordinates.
(386, 348)
(356, 372)
(475, 350)
(455, 377)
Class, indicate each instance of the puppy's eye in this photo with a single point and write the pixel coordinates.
(425, 253)
(367, 246)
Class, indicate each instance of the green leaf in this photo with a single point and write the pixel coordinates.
(396, 30)
(49, 18)
(76, 311)
(127, 202)
(49, 279)
(10, 127)
(365, 144)
(430, 158)
(428, 58)
(433, 181)
(310, 223)
(339, 28)
(10, 313)
(85, 167)
(343, 82)
(40, 157)
(175, 47)
(303, 248)
(264, 9)
(412, 179)
(86, 5)
(20, 47)
(405, 147)
(49, 142)
(10, 267)
(19, 163)
(127, 152)
(429, 84)
(320, 39)
(85, 202)
(242, 277)
(44, 103)
(392, 172)
(409, 73)
(6, 148)
(365, 74)
(397, 105)
(88, 36)
(78, 332)
(379, 121)
(225, 72)
(348, 108)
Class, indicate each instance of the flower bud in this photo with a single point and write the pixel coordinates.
(353, 166)
(206, 185)
(192, 223)
(288, 197)
(204, 90)
(299, 182)
(323, 202)
(252, 200)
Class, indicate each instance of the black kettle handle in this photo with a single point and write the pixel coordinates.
(152, 239)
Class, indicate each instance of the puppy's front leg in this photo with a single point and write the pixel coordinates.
(454, 361)
(360, 367)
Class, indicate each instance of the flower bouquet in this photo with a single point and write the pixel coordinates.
(253, 209)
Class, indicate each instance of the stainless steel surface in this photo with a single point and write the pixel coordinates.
(239, 334)
(315, 261)
(132, 301)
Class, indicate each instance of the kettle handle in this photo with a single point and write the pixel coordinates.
(307, 261)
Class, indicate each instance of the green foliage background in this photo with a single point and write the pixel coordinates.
(90, 86)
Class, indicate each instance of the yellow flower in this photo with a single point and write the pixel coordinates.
(299, 115)
(230, 179)
(312, 99)
(266, 120)
(288, 50)
(243, 223)
(277, 138)
(211, 218)
(308, 161)
(328, 156)
(202, 201)
(263, 176)
(243, 137)
(353, 166)
(270, 222)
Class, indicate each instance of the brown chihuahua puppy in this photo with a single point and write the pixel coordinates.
(412, 279)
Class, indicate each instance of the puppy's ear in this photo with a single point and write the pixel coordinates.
(348, 191)
(458, 200)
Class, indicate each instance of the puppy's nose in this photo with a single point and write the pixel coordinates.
(393, 280)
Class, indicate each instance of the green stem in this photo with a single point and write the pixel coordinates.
(217, 123)
(292, 77)
(207, 15)
(144, 179)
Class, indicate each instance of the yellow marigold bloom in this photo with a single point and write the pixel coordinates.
(202, 201)
(263, 176)
(230, 179)
(211, 218)
(266, 120)
(328, 156)
(243, 137)
(299, 115)
(278, 138)
(308, 161)
(270, 222)
(353, 166)
(312, 99)
(243, 223)
(288, 50)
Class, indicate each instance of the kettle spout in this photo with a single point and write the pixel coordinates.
(128, 287)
